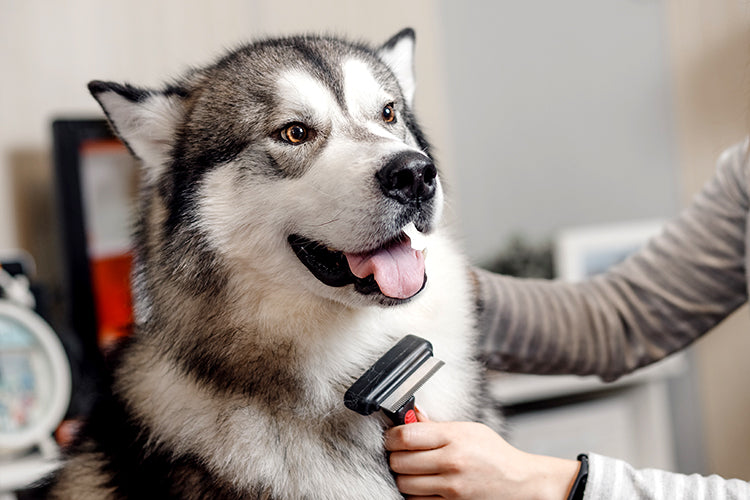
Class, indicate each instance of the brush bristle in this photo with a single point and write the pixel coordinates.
(409, 386)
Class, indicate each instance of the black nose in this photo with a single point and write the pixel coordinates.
(408, 178)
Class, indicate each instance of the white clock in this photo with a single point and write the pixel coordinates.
(35, 389)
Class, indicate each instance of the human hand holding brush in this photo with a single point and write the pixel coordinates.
(468, 460)
(455, 460)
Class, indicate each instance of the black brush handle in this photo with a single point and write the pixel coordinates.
(404, 415)
(387, 374)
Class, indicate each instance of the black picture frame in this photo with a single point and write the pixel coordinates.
(78, 307)
(68, 137)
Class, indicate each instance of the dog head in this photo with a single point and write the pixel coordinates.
(294, 162)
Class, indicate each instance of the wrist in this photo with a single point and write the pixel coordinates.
(555, 477)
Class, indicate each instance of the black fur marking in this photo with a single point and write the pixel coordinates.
(175, 258)
(209, 137)
(406, 32)
(129, 92)
(235, 364)
(176, 90)
(276, 170)
(194, 156)
(322, 69)
(316, 63)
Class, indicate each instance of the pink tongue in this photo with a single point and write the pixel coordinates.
(398, 269)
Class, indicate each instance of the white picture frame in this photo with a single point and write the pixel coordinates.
(583, 251)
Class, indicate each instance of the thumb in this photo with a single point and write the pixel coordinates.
(421, 415)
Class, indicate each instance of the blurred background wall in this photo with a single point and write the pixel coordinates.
(709, 48)
(544, 115)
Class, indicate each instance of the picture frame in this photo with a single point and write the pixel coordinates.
(584, 251)
(95, 183)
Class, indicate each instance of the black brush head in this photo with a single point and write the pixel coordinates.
(387, 374)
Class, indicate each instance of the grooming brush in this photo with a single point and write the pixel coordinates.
(390, 383)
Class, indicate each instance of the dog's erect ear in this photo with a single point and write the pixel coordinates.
(398, 54)
(145, 120)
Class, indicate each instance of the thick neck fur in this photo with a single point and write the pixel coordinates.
(229, 377)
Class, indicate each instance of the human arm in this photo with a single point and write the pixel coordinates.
(467, 460)
(658, 301)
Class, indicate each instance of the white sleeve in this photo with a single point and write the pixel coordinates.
(611, 479)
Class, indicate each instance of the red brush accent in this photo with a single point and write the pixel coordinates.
(410, 417)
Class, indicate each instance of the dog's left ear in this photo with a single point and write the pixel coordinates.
(144, 119)
(398, 54)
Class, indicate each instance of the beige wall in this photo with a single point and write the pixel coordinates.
(710, 43)
(50, 50)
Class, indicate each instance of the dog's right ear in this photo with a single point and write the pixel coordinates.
(398, 54)
(145, 120)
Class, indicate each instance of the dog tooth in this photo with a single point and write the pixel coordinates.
(418, 240)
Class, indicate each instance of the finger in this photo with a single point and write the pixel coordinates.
(416, 436)
(417, 463)
(419, 486)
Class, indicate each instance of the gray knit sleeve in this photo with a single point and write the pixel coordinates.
(661, 299)
(611, 479)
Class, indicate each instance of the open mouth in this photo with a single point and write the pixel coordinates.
(396, 270)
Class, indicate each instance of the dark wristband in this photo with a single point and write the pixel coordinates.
(579, 485)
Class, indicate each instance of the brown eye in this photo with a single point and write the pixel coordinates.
(296, 133)
(389, 114)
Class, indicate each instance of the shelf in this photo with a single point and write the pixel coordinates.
(510, 388)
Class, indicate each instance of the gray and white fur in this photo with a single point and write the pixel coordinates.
(262, 175)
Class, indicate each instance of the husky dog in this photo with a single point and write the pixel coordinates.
(271, 270)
